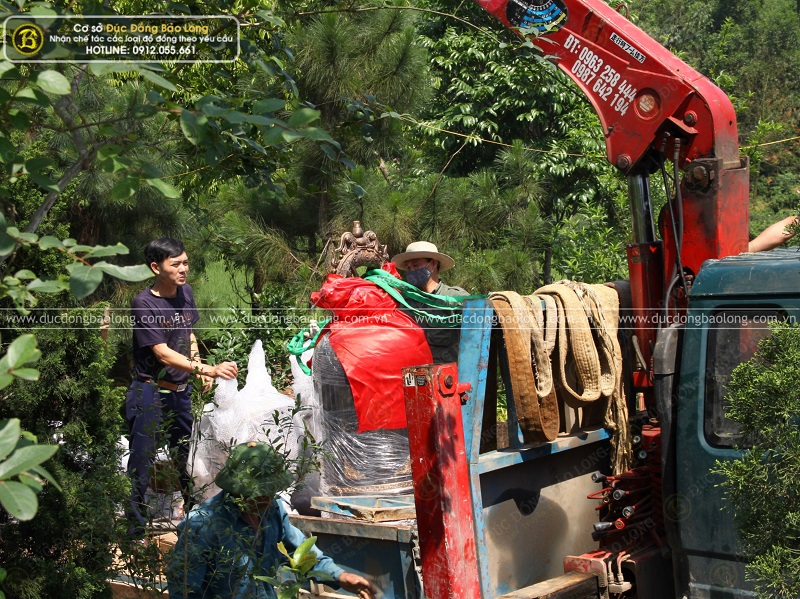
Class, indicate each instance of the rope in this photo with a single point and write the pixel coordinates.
(537, 412)
(306, 339)
(581, 321)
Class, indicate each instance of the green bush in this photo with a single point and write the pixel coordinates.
(762, 485)
(67, 549)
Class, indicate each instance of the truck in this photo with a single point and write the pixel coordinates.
(551, 518)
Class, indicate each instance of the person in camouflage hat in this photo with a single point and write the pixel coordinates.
(225, 543)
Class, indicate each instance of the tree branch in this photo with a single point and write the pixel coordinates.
(51, 197)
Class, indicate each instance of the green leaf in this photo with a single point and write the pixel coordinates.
(167, 190)
(289, 590)
(100, 251)
(317, 134)
(329, 151)
(108, 151)
(114, 164)
(19, 500)
(5, 380)
(282, 549)
(37, 164)
(9, 435)
(291, 135)
(269, 105)
(303, 116)
(258, 119)
(22, 351)
(25, 458)
(44, 182)
(304, 548)
(234, 116)
(6, 67)
(158, 80)
(25, 274)
(46, 475)
(139, 272)
(48, 242)
(28, 374)
(193, 126)
(47, 285)
(34, 96)
(19, 120)
(27, 238)
(84, 280)
(34, 482)
(125, 188)
(308, 561)
(273, 136)
(154, 97)
(53, 82)
(103, 68)
(255, 145)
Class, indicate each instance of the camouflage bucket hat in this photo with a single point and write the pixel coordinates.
(254, 469)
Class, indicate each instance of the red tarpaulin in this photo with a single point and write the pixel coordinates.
(374, 341)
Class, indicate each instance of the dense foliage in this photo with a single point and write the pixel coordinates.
(762, 484)
(64, 551)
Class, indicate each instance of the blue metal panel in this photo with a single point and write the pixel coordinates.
(751, 275)
(504, 458)
(473, 361)
(372, 508)
(509, 472)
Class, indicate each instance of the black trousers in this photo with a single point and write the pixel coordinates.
(155, 415)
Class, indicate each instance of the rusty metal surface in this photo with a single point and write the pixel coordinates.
(368, 508)
(572, 585)
(441, 482)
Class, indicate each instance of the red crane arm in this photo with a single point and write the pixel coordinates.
(647, 98)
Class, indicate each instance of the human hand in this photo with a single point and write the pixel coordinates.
(226, 370)
(360, 586)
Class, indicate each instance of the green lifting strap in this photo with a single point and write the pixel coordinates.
(301, 343)
(400, 290)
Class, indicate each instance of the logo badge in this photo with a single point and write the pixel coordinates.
(536, 16)
(28, 39)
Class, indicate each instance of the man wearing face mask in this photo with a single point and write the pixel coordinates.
(423, 262)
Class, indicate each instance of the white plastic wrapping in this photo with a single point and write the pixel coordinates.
(238, 416)
(303, 387)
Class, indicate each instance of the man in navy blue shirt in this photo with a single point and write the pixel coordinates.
(228, 545)
(165, 353)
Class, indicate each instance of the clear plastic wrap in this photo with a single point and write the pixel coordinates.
(237, 416)
(374, 462)
(303, 387)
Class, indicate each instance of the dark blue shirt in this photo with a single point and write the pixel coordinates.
(218, 553)
(162, 320)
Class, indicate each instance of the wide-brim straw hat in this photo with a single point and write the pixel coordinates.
(254, 469)
(423, 249)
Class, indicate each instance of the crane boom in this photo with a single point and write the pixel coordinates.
(652, 107)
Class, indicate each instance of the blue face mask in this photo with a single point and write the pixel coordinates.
(418, 277)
